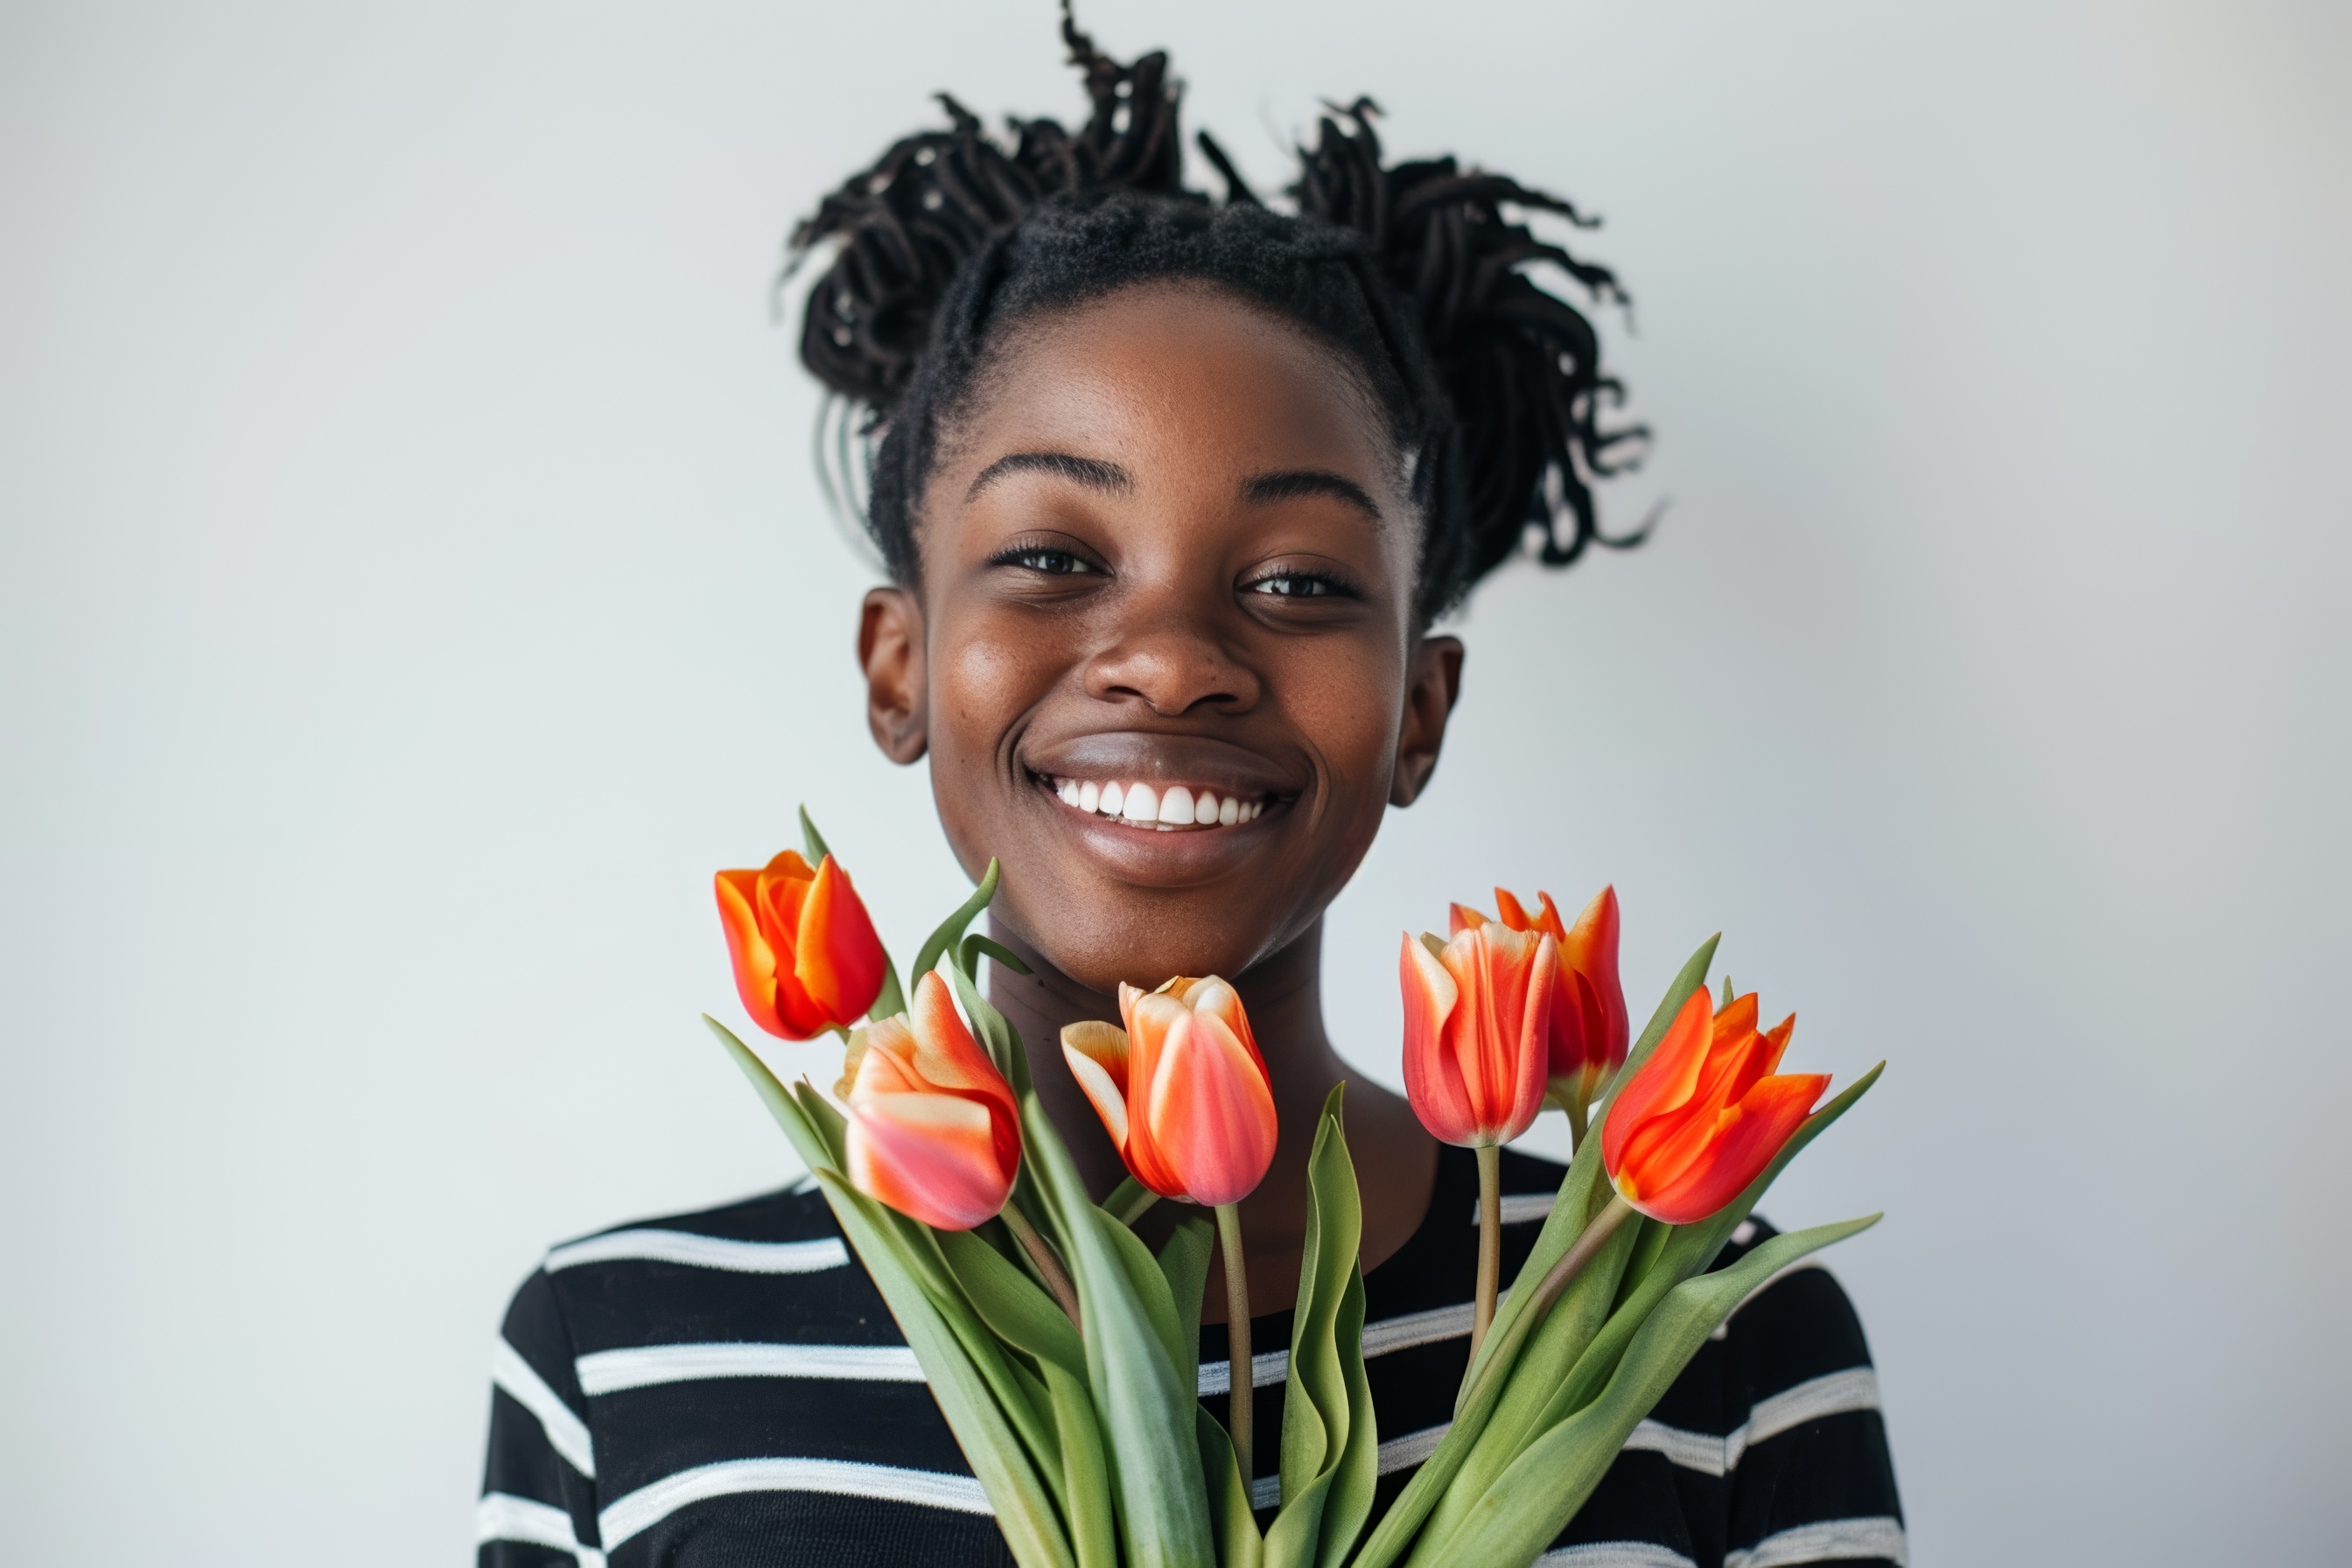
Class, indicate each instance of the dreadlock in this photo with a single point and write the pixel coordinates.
(1415, 271)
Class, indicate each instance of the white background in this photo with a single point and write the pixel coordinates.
(414, 583)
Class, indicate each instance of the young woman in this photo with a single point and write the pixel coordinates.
(1170, 493)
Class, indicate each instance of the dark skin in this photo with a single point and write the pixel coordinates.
(1168, 539)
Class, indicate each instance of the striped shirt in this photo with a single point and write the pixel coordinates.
(728, 1388)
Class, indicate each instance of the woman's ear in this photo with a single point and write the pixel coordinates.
(891, 649)
(1431, 685)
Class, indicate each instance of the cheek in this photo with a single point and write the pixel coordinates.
(986, 672)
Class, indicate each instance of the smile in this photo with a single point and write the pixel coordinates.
(1169, 808)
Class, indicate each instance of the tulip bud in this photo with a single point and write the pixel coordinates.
(805, 955)
(1182, 1091)
(1589, 1029)
(1477, 1012)
(933, 1131)
(1704, 1115)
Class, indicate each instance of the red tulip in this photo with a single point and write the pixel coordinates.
(1477, 1013)
(1181, 1089)
(806, 957)
(933, 1131)
(1705, 1115)
(1590, 1030)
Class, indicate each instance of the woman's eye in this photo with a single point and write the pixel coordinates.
(1052, 562)
(1295, 585)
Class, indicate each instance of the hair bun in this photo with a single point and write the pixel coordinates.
(1522, 366)
(907, 224)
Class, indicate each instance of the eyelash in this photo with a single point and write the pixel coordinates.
(1318, 586)
(1047, 561)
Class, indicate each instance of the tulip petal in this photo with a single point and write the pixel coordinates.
(1664, 1081)
(1742, 1141)
(748, 953)
(1429, 998)
(837, 956)
(1511, 911)
(1211, 1112)
(946, 1054)
(932, 1157)
(1097, 1055)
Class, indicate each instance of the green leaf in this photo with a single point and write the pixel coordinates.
(1330, 1446)
(828, 1123)
(1184, 1264)
(1012, 1305)
(1023, 1506)
(1150, 1432)
(1530, 1502)
(815, 840)
(1239, 1545)
(950, 929)
(1086, 1473)
(997, 1036)
(1551, 1351)
(976, 945)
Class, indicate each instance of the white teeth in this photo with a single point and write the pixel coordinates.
(1172, 806)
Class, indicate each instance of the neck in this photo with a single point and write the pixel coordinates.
(1284, 998)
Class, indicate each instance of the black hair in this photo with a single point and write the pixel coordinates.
(1415, 271)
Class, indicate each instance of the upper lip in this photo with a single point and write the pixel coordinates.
(1126, 756)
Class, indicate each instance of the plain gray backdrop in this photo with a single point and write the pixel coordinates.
(416, 583)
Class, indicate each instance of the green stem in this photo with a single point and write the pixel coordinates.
(1129, 1200)
(1057, 1279)
(1581, 1251)
(1490, 1242)
(1243, 1386)
(1575, 1106)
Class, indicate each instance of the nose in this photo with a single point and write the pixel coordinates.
(1167, 655)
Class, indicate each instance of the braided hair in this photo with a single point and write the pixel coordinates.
(1415, 271)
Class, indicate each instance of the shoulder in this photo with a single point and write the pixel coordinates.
(763, 1267)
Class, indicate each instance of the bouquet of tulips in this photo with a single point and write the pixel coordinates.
(1064, 1352)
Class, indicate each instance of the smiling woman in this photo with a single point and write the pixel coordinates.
(1170, 493)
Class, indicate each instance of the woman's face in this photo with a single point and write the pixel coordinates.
(1166, 551)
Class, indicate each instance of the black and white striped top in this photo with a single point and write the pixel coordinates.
(728, 1388)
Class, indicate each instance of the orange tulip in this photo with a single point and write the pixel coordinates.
(1704, 1114)
(806, 958)
(932, 1128)
(1181, 1089)
(1477, 1013)
(1589, 1029)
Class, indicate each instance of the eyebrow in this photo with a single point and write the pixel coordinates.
(1091, 472)
(1291, 482)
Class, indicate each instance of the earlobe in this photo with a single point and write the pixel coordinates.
(1434, 684)
(890, 651)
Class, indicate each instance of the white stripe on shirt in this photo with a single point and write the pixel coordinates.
(1382, 1338)
(649, 1505)
(502, 1516)
(609, 1372)
(1830, 1540)
(566, 1433)
(703, 1252)
(1613, 1554)
(1856, 1389)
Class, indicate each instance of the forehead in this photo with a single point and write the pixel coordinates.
(1180, 375)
